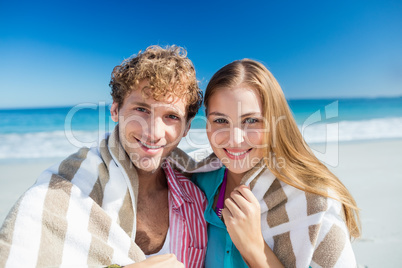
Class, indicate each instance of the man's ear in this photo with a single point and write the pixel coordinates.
(114, 111)
(187, 128)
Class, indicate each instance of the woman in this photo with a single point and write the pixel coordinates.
(293, 208)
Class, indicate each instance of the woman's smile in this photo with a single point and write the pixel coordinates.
(237, 154)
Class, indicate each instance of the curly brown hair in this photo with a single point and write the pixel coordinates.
(169, 72)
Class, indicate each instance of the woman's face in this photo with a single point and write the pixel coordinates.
(235, 127)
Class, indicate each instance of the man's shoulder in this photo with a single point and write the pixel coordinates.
(88, 157)
(81, 169)
(188, 186)
(184, 180)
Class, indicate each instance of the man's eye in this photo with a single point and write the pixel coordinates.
(143, 110)
(174, 117)
(221, 121)
(250, 121)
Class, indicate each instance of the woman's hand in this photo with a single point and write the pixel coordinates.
(242, 216)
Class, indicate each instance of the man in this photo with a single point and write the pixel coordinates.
(114, 203)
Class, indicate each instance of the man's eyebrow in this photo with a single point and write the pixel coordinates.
(169, 107)
(141, 104)
(176, 111)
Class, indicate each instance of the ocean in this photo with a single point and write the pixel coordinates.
(58, 132)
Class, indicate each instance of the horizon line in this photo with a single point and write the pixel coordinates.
(287, 99)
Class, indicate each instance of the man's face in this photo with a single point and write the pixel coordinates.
(148, 129)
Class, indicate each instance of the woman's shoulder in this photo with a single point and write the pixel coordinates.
(314, 202)
(209, 174)
(207, 181)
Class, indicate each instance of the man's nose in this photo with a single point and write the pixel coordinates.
(157, 129)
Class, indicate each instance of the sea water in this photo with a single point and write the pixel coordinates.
(58, 132)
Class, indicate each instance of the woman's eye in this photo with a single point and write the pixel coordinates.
(221, 121)
(250, 120)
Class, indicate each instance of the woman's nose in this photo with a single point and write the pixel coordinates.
(237, 137)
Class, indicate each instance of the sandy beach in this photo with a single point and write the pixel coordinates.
(371, 170)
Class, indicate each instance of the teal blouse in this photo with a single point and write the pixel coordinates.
(221, 252)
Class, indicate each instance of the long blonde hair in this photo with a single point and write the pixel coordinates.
(284, 141)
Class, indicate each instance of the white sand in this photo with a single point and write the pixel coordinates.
(372, 171)
(16, 178)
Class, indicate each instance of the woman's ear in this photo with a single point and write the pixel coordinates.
(114, 111)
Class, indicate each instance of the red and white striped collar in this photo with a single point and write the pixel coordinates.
(178, 193)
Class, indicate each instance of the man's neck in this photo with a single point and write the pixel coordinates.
(152, 210)
(151, 182)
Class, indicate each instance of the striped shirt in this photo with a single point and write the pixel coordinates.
(188, 234)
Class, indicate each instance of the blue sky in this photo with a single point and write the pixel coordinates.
(55, 53)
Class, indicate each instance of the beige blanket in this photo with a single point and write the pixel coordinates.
(79, 213)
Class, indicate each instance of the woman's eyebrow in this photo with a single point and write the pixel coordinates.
(217, 114)
(251, 114)
(243, 115)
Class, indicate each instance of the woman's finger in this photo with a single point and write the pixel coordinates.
(239, 200)
(233, 208)
(246, 193)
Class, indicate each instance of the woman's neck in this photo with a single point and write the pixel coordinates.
(234, 177)
(233, 180)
